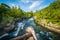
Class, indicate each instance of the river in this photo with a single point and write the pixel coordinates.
(41, 33)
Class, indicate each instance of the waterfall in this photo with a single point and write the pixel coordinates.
(20, 26)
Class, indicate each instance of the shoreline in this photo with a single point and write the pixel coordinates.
(52, 29)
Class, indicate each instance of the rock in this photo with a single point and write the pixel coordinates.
(30, 38)
(31, 30)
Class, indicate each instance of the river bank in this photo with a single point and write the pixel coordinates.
(45, 25)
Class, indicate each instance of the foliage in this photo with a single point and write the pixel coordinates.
(3, 11)
(7, 13)
(50, 13)
(28, 14)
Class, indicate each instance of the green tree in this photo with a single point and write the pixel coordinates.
(3, 10)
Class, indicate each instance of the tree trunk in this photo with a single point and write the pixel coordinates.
(23, 37)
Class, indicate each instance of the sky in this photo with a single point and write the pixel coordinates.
(28, 5)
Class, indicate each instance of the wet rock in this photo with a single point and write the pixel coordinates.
(7, 29)
(38, 36)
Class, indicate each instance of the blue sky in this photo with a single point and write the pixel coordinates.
(28, 5)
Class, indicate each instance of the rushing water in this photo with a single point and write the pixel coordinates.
(41, 33)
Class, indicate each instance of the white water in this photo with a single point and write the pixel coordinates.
(20, 26)
(25, 23)
(3, 35)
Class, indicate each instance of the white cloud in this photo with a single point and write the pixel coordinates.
(26, 1)
(13, 4)
(44, 6)
(35, 4)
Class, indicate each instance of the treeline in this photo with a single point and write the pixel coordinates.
(7, 13)
(51, 13)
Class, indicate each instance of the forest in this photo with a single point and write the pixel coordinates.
(7, 14)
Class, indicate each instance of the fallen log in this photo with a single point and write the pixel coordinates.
(23, 37)
(30, 32)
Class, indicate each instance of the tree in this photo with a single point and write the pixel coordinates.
(28, 14)
(16, 12)
(3, 10)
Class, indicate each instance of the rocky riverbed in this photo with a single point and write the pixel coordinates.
(20, 29)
